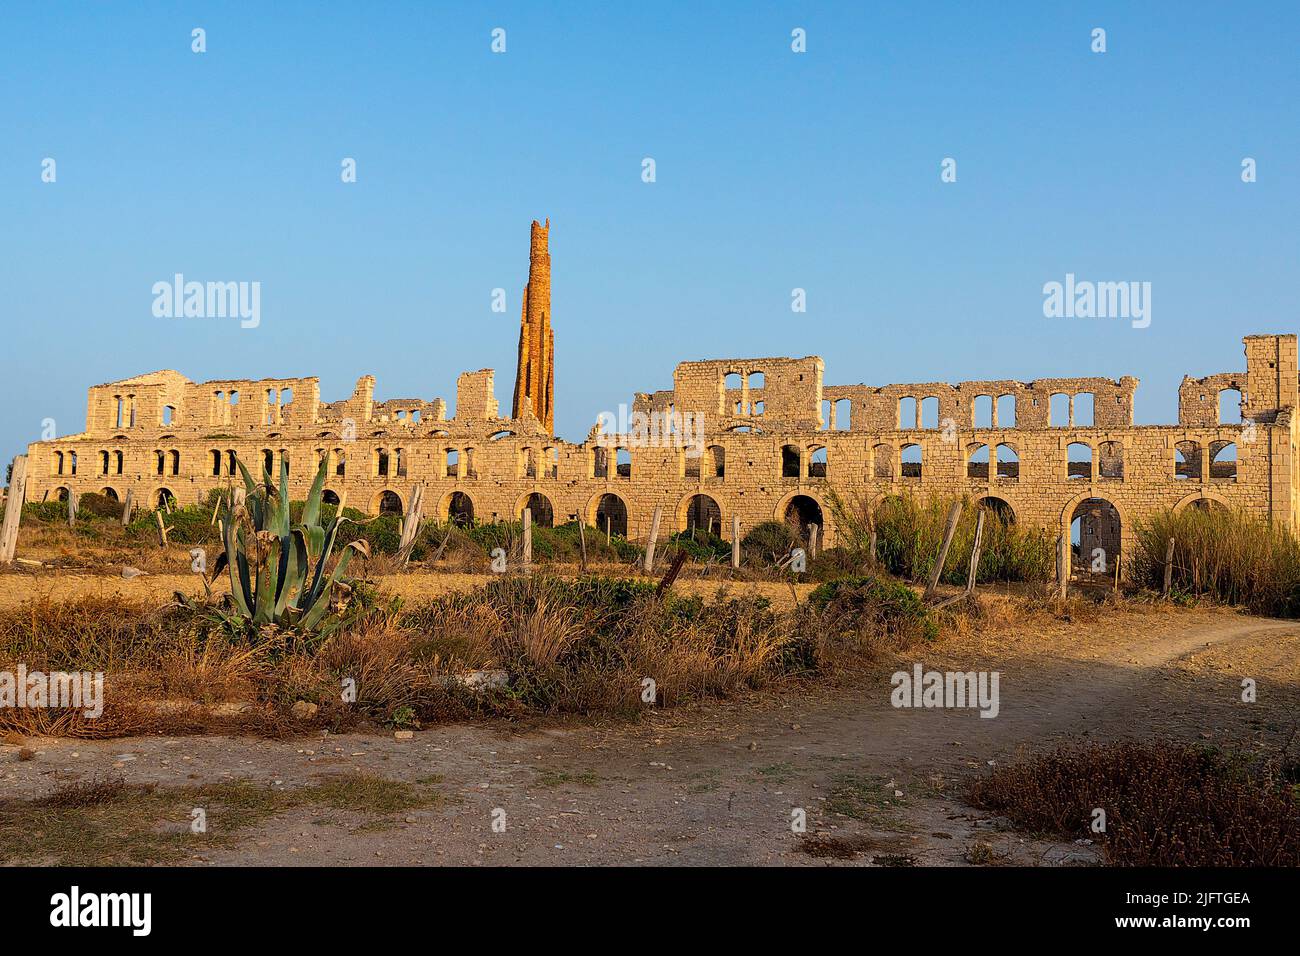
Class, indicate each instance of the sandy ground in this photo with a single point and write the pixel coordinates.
(717, 784)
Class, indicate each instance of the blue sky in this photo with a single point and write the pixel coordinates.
(775, 170)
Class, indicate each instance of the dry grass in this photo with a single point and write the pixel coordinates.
(1164, 804)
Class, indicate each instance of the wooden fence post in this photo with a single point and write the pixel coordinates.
(126, 507)
(1169, 566)
(72, 508)
(975, 552)
(654, 534)
(528, 539)
(1062, 565)
(13, 509)
(582, 543)
(162, 529)
(735, 541)
(813, 531)
(954, 515)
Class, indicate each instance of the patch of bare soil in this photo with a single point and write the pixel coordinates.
(724, 783)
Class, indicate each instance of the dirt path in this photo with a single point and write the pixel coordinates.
(717, 784)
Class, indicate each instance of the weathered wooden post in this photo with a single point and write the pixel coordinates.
(13, 509)
(954, 515)
(606, 529)
(528, 539)
(582, 544)
(654, 534)
(411, 523)
(126, 507)
(1062, 565)
(975, 552)
(871, 548)
(1169, 567)
(72, 508)
(162, 529)
(735, 541)
(813, 531)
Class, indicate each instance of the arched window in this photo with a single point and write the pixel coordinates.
(1078, 461)
(977, 459)
(1223, 460)
(1008, 463)
(1110, 460)
(1187, 461)
(911, 461)
(883, 458)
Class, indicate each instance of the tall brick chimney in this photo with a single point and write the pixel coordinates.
(535, 378)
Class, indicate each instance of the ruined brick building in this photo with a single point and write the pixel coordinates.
(775, 440)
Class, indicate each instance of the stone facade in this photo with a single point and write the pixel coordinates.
(776, 439)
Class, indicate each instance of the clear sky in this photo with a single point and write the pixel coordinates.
(774, 171)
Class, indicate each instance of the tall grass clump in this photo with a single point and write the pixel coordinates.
(1222, 554)
(910, 531)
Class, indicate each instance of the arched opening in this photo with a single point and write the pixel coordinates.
(1208, 506)
(1008, 463)
(611, 515)
(999, 507)
(803, 511)
(390, 503)
(843, 414)
(1095, 537)
(789, 461)
(930, 412)
(540, 506)
(1058, 410)
(715, 461)
(460, 509)
(1078, 461)
(907, 412)
(884, 461)
(1084, 409)
(109, 493)
(1187, 460)
(977, 461)
(817, 463)
(911, 461)
(703, 512)
(163, 498)
(1223, 460)
(61, 493)
(1110, 460)
(982, 411)
(328, 497)
(1229, 406)
(1006, 411)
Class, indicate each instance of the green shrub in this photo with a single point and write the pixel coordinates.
(769, 542)
(889, 606)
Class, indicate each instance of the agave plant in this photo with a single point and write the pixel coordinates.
(279, 571)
